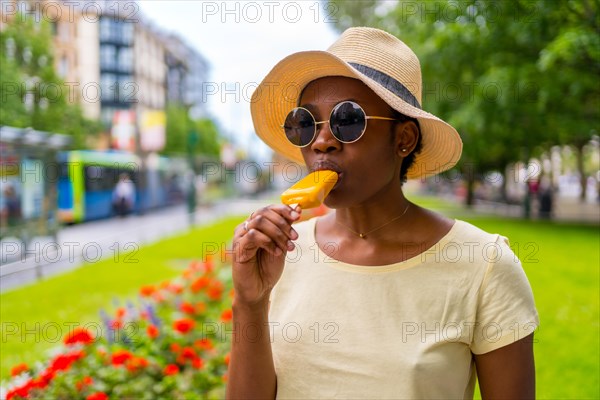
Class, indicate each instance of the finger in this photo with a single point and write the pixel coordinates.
(289, 213)
(280, 222)
(254, 240)
(275, 227)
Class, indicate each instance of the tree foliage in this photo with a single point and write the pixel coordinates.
(514, 77)
(181, 128)
(33, 95)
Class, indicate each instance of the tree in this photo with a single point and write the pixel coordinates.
(570, 61)
(33, 95)
(504, 73)
(180, 125)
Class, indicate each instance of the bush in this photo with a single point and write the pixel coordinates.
(172, 344)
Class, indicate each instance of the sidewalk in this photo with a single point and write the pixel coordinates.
(92, 241)
(564, 210)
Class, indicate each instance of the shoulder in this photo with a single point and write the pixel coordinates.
(469, 232)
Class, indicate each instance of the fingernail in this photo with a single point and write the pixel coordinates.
(290, 245)
(278, 251)
(294, 234)
(294, 215)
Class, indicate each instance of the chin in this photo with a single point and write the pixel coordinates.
(333, 201)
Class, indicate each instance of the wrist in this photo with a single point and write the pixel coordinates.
(259, 308)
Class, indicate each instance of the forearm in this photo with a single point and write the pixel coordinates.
(251, 370)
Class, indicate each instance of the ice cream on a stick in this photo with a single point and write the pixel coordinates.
(310, 191)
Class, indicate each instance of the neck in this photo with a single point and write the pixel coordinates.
(373, 218)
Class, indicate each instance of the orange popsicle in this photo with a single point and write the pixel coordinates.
(310, 191)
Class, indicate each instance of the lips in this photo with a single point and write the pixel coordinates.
(328, 165)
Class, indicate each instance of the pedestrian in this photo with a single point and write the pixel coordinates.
(11, 210)
(380, 298)
(123, 195)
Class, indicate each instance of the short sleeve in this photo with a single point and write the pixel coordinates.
(506, 310)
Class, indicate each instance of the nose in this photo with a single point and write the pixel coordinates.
(324, 141)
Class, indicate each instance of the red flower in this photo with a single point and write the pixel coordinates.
(116, 324)
(136, 363)
(200, 284)
(164, 284)
(215, 290)
(187, 308)
(97, 396)
(62, 362)
(195, 266)
(171, 369)
(175, 347)
(209, 264)
(203, 344)
(175, 288)
(44, 379)
(120, 312)
(18, 369)
(200, 307)
(86, 381)
(183, 326)
(158, 297)
(119, 357)
(147, 291)
(227, 315)
(21, 391)
(152, 331)
(227, 358)
(78, 335)
(197, 363)
(188, 352)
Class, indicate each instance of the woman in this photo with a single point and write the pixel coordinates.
(380, 298)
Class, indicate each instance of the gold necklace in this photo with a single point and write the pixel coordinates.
(364, 235)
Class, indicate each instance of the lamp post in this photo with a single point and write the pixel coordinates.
(192, 141)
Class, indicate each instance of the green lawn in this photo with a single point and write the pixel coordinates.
(562, 263)
(561, 260)
(34, 318)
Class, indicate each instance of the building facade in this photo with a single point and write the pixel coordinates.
(115, 61)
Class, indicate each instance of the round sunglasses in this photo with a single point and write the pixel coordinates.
(347, 123)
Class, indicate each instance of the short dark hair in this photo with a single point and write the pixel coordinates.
(409, 160)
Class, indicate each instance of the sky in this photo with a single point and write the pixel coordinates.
(243, 40)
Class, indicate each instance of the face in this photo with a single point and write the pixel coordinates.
(367, 168)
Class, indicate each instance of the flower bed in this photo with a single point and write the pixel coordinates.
(172, 344)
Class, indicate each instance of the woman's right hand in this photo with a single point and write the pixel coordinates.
(260, 245)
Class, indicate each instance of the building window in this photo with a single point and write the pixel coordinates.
(108, 85)
(63, 31)
(107, 56)
(127, 89)
(126, 32)
(63, 66)
(107, 116)
(105, 29)
(125, 59)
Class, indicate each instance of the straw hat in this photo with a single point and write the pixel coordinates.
(381, 61)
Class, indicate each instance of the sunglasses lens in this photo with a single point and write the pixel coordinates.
(299, 127)
(348, 122)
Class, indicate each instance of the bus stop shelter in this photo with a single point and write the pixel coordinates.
(29, 175)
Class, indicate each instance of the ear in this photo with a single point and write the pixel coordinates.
(406, 137)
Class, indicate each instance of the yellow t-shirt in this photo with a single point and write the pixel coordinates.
(401, 331)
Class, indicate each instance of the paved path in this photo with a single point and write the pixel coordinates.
(96, 240)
